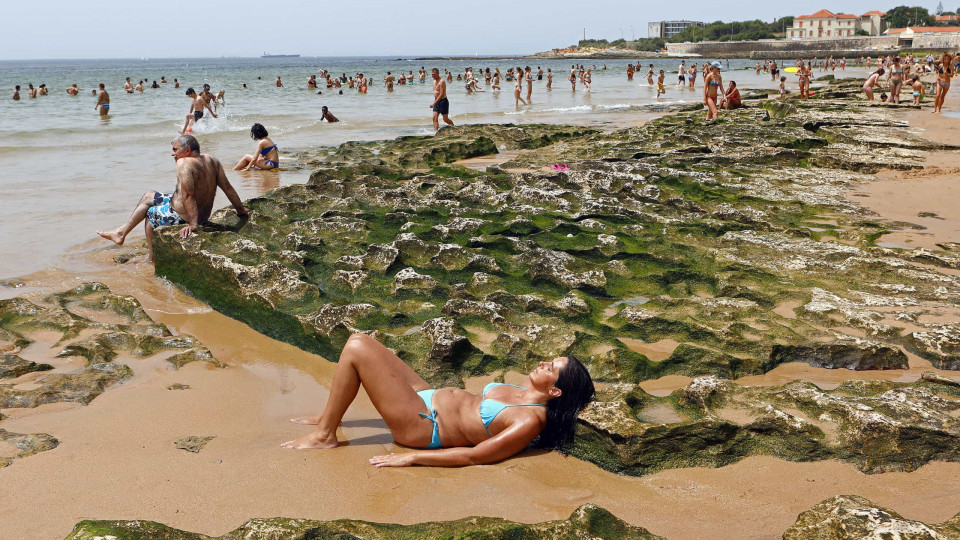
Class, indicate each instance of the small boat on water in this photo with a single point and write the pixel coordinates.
(265, 55)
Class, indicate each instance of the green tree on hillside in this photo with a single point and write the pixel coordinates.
(734, 31)
(904, 16)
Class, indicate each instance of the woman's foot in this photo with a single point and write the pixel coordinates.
(307, 420)
(315, 440)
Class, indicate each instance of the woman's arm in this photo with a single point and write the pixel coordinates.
(507, 443)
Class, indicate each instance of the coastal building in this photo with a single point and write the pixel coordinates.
(872, 23)
(826, 24)
(949, 17)
(669, 29)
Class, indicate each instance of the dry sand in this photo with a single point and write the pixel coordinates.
(116, 459)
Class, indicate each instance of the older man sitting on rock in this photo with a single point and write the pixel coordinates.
(198, 176)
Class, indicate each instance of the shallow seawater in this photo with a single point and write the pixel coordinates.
(69, 172)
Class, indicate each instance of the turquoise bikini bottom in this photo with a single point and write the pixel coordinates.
(427, 397)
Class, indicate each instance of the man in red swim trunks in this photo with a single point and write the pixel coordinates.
(440, 105)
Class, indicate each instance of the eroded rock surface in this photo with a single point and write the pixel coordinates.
(87, 322)
(27, 444)
(717, 226)
(877, 426)
(850, 517)
(588, 521)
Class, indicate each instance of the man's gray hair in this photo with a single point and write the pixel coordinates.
(189, 141)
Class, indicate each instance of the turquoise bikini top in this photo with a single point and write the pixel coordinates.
(489, 409)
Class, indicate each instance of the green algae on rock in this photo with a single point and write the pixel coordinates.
(716, 225)
(851, 517)
(876, 426)
(588, 521)
(89, 322)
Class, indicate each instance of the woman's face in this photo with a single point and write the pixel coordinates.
(547, 372)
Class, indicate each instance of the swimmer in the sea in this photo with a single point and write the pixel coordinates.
(197, 105)
(266, 156)
(176, 83)
(279, 83)
(31, 91)
(16, 93)
(103, 101)
(327, 115)
(73, 90)
(127, 86)
(42, 90)
(139, 87)
(207, 96)
(660, 89)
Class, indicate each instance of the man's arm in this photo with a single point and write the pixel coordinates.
(228, 190)
(207, 105)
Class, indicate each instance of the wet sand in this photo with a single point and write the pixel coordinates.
(927, 197)
(116, 458)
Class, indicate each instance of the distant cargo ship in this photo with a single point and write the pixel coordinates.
(265, 55)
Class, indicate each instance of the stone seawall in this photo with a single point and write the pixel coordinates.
(746, 49)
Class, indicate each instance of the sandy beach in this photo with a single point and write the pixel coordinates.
(117, 459)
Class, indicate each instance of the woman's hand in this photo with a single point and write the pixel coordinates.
(393, 460)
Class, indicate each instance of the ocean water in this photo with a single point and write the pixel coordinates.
(67, 172)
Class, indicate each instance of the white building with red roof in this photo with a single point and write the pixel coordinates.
(826, 24)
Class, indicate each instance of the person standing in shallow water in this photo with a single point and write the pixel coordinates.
(103, 101)
(440, 105)
(451, 427)
(198, 177)
(16, 93)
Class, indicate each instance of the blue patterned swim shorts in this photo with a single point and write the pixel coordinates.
(161, 213)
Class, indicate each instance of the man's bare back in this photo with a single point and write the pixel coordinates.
(197, 182)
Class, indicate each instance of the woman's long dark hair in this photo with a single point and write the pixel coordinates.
(576, 390)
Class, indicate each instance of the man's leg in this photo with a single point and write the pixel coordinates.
(139, 213)
(148, 232)
(436, 122)
(445, 119)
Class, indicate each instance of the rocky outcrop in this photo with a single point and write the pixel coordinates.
(714, 225)
(850, 517)
(27, 445)
(588, 521)
(876, 426)
(94, 324)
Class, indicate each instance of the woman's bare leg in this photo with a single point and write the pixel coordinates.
(391, 385)
(243, 162)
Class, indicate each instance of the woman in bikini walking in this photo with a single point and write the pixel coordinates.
(452, 427)
(944, 75)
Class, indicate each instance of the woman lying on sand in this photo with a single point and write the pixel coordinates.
(501, 422)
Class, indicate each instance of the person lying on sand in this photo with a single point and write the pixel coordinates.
(198, 177)
(453, 427)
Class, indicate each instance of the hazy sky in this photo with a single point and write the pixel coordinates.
(212, 28)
